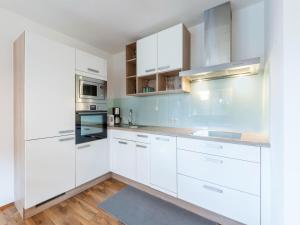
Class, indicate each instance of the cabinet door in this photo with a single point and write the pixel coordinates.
(92, 161)
(50, 168)
(147, 55)
(143, 163)
(123, 158)
(50, 88)
(90, 64)
(170, 48)
(163, 163)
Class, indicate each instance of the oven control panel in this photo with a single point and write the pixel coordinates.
(90, 107)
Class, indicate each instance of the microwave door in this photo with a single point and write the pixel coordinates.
(89, 90)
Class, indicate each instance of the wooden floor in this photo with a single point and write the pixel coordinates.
(79, 210)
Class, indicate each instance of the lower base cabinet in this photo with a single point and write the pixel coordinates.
(123, 158)
(233, 204)
(163, 168)
(92, 161)
(50, 168)
(143, 163)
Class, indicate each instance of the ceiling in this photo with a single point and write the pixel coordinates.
(111, 24)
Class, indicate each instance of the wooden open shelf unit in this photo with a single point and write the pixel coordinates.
(131, 84)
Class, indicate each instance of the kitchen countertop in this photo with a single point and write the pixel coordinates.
(252, 139)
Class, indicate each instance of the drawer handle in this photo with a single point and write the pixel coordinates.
(162, 139)
(123, 142)
(218, 161)
(210, 188)
(141, 146)
(66, 131)
(93, 70)
(149, 70)
(163, 67)
(84, 146)
(67, 139)
(142, 136)
(214, 146)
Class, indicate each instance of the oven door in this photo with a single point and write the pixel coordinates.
(91, 126)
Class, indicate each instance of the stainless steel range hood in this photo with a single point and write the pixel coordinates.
(217, 49)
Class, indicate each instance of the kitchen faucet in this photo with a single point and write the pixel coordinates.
(130, 119)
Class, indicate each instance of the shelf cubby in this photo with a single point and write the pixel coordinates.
(147, 81)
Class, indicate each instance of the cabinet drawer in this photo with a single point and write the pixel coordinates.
(243, 152)
(143, 137)
(236, 174)
(233, 204)
(122, 134)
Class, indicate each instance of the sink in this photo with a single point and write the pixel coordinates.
(225, 134)
(133, 127)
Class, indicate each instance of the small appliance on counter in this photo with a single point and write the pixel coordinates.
(117, 117)
(110, 120)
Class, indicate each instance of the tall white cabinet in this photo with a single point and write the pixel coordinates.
(49, 88)
(44, 115)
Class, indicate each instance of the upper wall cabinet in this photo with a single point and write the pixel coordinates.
(170, 48)
(90, 65)
(164, 51)
(49, 86)
(147, 55)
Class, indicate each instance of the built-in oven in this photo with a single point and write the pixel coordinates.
(91, 125)
(90, 90)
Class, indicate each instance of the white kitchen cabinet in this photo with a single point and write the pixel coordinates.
(49, 76)
(170, 48)
(123, 155)
(92, 161)
(147, 55)
(143, 163)
(234, 151)
(163, 163)
(242, 207)
(89, 64)
(236, 174)
(50, 168)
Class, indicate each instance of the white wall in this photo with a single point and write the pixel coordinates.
(291, 107)
(247, 41)
(11, 26)
(274, 68)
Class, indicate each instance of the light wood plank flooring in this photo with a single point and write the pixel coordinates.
(78, 210)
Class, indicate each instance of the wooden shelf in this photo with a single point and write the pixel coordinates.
(131, 77)
(131, 83)
(158, 93)
(131, 60)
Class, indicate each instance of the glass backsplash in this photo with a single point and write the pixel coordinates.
(231, 104)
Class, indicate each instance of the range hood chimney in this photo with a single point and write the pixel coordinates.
(217, 49)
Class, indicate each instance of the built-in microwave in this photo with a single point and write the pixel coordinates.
(90, 90)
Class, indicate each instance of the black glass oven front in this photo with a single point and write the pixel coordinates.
(91, 126)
